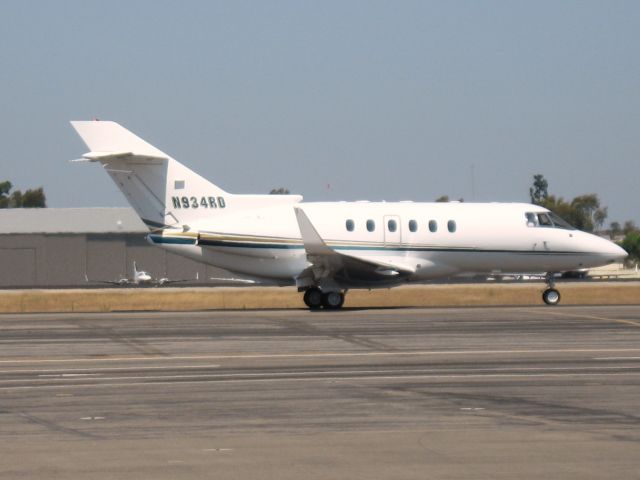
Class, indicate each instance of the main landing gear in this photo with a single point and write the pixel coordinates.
(551, 296)
(315, 299)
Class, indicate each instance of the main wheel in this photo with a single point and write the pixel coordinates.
(332, 300)
(551, 296)
(313, 298)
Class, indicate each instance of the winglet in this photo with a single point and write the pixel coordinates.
(313, 243)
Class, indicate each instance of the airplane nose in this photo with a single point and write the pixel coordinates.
(607, 251)
(611, 251)
(618, 253)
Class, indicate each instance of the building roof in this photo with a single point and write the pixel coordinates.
(70, 220)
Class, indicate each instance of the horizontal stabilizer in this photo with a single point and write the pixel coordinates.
(110, 137)
(106, 156)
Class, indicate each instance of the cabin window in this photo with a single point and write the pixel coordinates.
(392, 225)
(413, 226)
(371, 225)
(451, 225)
(350, 225)
(433, 226)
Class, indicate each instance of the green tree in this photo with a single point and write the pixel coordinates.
(584, 210)
(539, 191)
(629, 227)
(442, 199)
(5, 188)
(559, 206)
(599, 217)
(32, 198)
(15, 200)
(631, 244)
(614, 229)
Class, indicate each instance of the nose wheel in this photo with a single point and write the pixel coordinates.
(551, 296)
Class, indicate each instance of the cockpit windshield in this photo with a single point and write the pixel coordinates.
(559, 222)
(546, 219)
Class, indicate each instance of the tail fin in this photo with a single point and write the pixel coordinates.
(163, 192)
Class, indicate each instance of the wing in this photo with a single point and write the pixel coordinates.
(121, 283)
(345, 269)
(168, 281)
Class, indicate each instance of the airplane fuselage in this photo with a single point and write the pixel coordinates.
(435, 239)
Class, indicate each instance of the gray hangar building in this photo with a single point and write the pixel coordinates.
(62, 247)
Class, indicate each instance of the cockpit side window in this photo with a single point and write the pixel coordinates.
(532, 220)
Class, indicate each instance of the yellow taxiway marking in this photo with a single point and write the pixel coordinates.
(594, 317)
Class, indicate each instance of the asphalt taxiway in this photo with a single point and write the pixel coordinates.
(495, 393)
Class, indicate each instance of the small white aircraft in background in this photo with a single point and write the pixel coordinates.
(327, 248)
(141, 278)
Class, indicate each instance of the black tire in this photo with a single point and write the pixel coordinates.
(332, 300)
(313, 298)
(551, 296)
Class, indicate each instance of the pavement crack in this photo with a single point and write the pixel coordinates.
(307, 329)
(55, 427)
(136, 345)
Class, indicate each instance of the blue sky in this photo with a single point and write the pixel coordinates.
(336, 100)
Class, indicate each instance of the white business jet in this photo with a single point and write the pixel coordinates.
(328, 248)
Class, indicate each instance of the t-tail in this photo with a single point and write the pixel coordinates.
(163, 192)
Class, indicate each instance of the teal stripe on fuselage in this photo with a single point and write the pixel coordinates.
(280, 246)
(220, 243)
(172, 240)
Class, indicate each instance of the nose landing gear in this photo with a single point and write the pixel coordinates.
(551, 296)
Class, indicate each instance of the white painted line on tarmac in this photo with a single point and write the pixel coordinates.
(341, 372)
(60, 372)
(329, 379)
(344, 375)
(321, 355)
(617, 358)
(400, 373)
